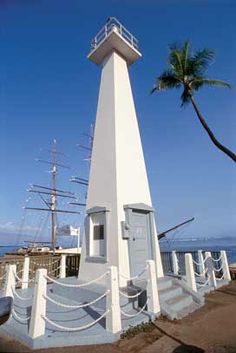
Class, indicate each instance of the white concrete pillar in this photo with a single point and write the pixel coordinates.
(190, 276)
(152, 292)
(63, 266)
(210, 269)
(201, 263)
(113, 318)
(10, 282)
(175, 262)
(225, 265)
(25, 273)
(37, 322)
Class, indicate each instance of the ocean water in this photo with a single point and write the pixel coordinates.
(214, 244)
(5, 249)
(227, 244)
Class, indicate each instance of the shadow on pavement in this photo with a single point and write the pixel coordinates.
(185, 348)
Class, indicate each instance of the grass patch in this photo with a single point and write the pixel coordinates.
(134, 330)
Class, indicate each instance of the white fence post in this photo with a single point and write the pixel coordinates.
(113, 318)
(225, 266)
(190, 276)
(10, 283)
(37, 322)
(201, 263)
(152, 292)
(175, 262)
(63, 266)
(210, 269)
(25, 274)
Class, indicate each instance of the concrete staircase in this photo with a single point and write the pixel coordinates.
(176, 300)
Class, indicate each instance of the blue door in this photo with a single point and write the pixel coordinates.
(139, 241)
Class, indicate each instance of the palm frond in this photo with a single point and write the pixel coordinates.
(202, 59)
(186, 48)
(199, 82)
(175, 59)
(166, 80)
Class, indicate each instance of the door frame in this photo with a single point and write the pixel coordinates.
(149, 211)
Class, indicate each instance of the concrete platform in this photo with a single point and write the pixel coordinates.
(18, 325)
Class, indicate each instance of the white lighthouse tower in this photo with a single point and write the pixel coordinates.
(119, 226)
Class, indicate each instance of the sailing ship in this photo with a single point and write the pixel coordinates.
(50, 196)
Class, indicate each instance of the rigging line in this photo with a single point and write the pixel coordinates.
(46, 203)
(57, 164)
(22, 223)
(43, 225)
(47, 188)
(38, 228)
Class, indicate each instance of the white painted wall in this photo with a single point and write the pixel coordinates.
(118, 173)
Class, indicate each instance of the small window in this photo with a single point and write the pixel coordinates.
(98, 232)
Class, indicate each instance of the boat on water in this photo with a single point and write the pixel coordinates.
(31, 249)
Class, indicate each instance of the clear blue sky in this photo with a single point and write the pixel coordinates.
(48, 89)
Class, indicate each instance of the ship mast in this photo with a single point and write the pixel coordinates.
(53, 193)
(53, 196)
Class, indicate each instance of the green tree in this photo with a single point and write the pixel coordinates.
(187, 71)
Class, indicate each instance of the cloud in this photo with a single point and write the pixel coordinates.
(13, 228)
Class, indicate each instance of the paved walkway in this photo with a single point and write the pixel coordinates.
(211, 329)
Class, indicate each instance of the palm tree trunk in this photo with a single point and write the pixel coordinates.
(224, 149)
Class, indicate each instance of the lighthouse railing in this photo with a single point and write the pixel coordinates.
(110, 25)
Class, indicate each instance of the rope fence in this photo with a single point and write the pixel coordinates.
(72, 329)
(19, 317)
(80, 285)
(138, 313)
(79, 306)
(135, 277)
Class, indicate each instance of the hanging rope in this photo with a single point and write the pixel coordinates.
(18, 317)
(19, 296)
(196, 263)
(135, 277)
(216, 260)
(79, 305)
(21, 281)
(136, 314)
(76, 285)
(131, 296)
(203, 284)
(71, 329)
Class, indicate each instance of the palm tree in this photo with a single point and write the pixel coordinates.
(187, 70)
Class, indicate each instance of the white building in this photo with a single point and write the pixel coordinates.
(120, 226)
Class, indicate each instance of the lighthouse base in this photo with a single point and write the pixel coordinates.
(53, 337)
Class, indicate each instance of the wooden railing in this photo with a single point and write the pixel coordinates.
(49, 262)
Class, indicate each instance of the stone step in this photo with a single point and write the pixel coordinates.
(164, 283)
(180, 302)
(169, 293)
(187, 310)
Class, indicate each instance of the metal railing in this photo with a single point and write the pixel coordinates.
(167, 261)
(114, 25)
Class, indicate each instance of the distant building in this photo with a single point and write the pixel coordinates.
(68, 230)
